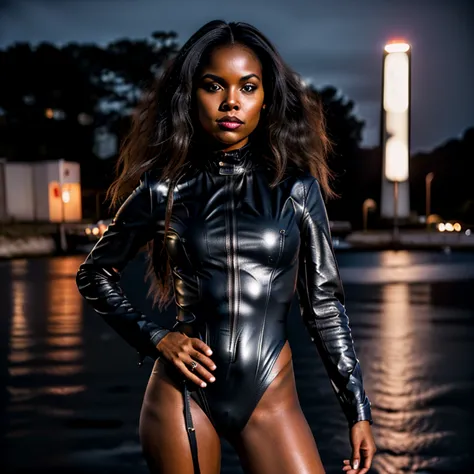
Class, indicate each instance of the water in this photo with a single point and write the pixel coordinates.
(71, 391)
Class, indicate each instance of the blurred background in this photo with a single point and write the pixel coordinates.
(71, 73)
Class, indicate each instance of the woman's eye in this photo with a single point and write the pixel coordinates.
(251, 86)
(212, 87)
(215, 87)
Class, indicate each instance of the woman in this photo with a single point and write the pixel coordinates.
(230, 153)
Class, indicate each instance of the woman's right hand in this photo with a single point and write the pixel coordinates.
(182, 350)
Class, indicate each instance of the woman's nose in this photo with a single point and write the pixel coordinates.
(231, 101)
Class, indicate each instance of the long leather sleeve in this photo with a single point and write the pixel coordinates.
(98, 277)
(321, 298)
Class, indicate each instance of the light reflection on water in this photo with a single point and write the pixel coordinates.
(420, 422)
(399, 386)
(45, 343)
(392, 258)
(21, 339)
(64, 321)
(415, 339)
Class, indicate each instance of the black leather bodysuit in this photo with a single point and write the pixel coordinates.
(239, 250)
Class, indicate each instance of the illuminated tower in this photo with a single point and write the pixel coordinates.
(395, 131)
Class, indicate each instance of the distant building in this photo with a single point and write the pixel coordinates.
(44, 191)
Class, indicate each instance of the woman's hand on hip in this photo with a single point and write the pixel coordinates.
(185, 352)
(363, 449)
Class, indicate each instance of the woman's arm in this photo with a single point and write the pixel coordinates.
(322, 305)
(98, 277)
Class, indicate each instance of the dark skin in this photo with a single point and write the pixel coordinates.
(231, 84)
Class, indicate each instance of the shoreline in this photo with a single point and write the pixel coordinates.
(359, 241)
(28, 246)
(409, 240)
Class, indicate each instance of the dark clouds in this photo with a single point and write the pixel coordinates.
(327, 41)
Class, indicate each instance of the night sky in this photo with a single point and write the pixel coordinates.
(332, 42)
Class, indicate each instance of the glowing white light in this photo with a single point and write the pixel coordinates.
(396, 160)
(449, 227)
(397, 47)
(66, 196)
(396, 83)
(441, 227)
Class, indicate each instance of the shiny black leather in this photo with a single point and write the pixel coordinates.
(239, 251)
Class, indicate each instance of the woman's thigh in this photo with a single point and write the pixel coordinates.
(277, 438)
(163, 435)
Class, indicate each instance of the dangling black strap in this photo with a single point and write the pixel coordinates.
(190, 428)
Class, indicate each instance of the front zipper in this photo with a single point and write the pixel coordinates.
(233, 277)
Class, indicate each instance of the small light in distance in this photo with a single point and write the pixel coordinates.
(87, 231)
(95, 231)
(441, 227)
(468, 232)
(449, 227)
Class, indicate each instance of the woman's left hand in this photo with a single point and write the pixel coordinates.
(363, 449)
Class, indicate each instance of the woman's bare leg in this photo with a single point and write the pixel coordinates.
(163, 434)
(277, 438)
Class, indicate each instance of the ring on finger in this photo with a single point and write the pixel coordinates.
(193, 365)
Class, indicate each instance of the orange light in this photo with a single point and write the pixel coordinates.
(49, 113)
(397, 47)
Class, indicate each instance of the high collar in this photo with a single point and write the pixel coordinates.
(231, 162)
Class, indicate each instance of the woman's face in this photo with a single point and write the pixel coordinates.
(230, 84)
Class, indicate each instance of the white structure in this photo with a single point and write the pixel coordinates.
(44, 191)
(395, 199)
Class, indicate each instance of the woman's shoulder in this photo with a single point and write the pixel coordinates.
(153, 184)
(304, 186)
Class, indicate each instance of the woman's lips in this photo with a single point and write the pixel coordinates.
(229, 125)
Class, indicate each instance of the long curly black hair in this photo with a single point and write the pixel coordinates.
(292, 131)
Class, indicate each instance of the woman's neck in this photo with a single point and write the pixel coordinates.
(219, 147)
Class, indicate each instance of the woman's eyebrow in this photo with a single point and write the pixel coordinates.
(220, 79)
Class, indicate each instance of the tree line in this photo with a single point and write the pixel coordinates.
(54, 100)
